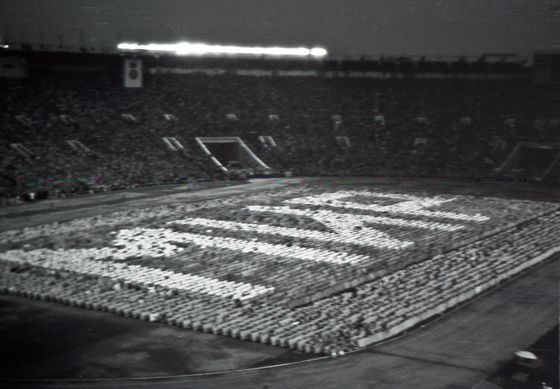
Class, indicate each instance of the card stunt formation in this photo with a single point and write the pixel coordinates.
(314, 268)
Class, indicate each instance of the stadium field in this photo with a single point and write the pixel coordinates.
(318, 268)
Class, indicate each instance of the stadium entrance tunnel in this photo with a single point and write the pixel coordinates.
(541, 159)
(230, 153)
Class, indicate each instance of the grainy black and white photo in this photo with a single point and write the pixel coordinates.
(278, 194)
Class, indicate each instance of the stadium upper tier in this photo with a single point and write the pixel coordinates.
(448, 127)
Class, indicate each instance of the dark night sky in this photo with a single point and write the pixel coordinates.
(374, 27)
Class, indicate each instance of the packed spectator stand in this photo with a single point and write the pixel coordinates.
(428, 127)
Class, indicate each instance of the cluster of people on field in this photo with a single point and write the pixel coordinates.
(364, 313)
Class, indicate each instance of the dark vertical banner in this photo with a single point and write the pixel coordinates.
(133, 73)
(546, 67)
(555, 69)
(13, 67)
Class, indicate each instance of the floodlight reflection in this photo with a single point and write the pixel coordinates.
(185, 48)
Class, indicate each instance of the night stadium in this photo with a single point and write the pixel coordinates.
(278, 216)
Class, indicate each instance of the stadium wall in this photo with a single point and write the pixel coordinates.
(13, 67)
(268, 67)
(335, 74)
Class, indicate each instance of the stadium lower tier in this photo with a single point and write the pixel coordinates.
(357, 317)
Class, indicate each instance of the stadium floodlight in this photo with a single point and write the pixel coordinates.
(186, 48)
(318, 52)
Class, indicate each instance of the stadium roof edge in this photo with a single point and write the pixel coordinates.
(331, 62)
(35, 48)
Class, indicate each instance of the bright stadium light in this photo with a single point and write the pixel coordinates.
(318, 52)
(186, 48)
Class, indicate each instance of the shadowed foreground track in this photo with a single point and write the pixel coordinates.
(456, 351)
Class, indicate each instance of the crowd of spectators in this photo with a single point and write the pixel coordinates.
(224, 276)
(467, 127)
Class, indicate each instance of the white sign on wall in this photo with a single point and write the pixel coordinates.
(133, 73)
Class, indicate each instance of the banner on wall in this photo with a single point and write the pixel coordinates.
(133, 73)
(13, 67)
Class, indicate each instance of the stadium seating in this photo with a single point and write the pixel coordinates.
(44, 112)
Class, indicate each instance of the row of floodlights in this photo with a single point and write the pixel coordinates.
(186, 48)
